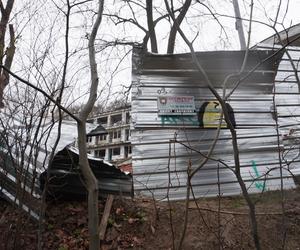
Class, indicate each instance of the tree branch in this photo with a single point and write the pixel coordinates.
(90, 179)
(41, 91)
(232, 132)
(1, 7)
(151, 26)
(174, 29)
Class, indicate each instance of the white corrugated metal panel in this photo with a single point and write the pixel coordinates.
(25, 148)
(163, 146)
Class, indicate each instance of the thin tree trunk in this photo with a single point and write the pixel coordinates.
(151, 29)
(90, 179)
(91, 186)
(174, 29)
(9, 53)
(222, 102)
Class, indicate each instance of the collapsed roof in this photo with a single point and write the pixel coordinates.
(27, 144)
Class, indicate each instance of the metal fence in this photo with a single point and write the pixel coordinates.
(164, 145)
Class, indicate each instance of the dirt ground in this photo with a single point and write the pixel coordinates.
(141, 224)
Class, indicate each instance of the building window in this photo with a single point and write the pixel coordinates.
(127, 134)
(100, 153)
(127, 151)
(116, 119)
(100, 138)
(117, 134)
(116, 151)
(90, 121)
(102, 120)
(127, 117)
(88, 139)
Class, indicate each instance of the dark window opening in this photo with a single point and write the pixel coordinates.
(127, 134)
(116, 119)
(127, 151)
(100, 138)
(116, 151)
(90, 121)
(100, 153)
(88, 139)
(127, 117)
(117, 134)
(102, 120)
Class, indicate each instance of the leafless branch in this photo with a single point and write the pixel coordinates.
(214, 16)
(41, 91)
(232, 131)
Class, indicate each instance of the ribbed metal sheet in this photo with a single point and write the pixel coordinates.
(163, 147)
(26, 144)
(24, 161)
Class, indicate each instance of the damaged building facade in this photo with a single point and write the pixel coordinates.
(111, 139)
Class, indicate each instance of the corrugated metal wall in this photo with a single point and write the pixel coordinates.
(26, 151)
(287, 100)
(160, 164)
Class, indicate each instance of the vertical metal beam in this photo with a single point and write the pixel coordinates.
(239, 24)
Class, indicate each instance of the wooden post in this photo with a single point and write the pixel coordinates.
(104, 219)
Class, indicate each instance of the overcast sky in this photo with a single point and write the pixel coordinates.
(40, 46)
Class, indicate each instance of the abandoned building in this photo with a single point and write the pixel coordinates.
(111, 139)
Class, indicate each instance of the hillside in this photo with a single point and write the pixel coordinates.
(141, 224)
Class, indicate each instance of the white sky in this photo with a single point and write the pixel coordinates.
(40, 48)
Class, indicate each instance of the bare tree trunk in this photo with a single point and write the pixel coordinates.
(91, 186)
(90, 179)
(151, 29)
(222, 102)
(10, 50)
(174, 29)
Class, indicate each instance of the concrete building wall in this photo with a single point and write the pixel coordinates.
(117, 145)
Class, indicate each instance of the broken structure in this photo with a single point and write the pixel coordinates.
(26, 165)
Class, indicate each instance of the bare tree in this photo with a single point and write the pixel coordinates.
(225, 111)
(6, 52)
(54, 94)
(178, 21)
(150, 33)
(91, 181)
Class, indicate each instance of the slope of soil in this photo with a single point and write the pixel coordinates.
(143, 224)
